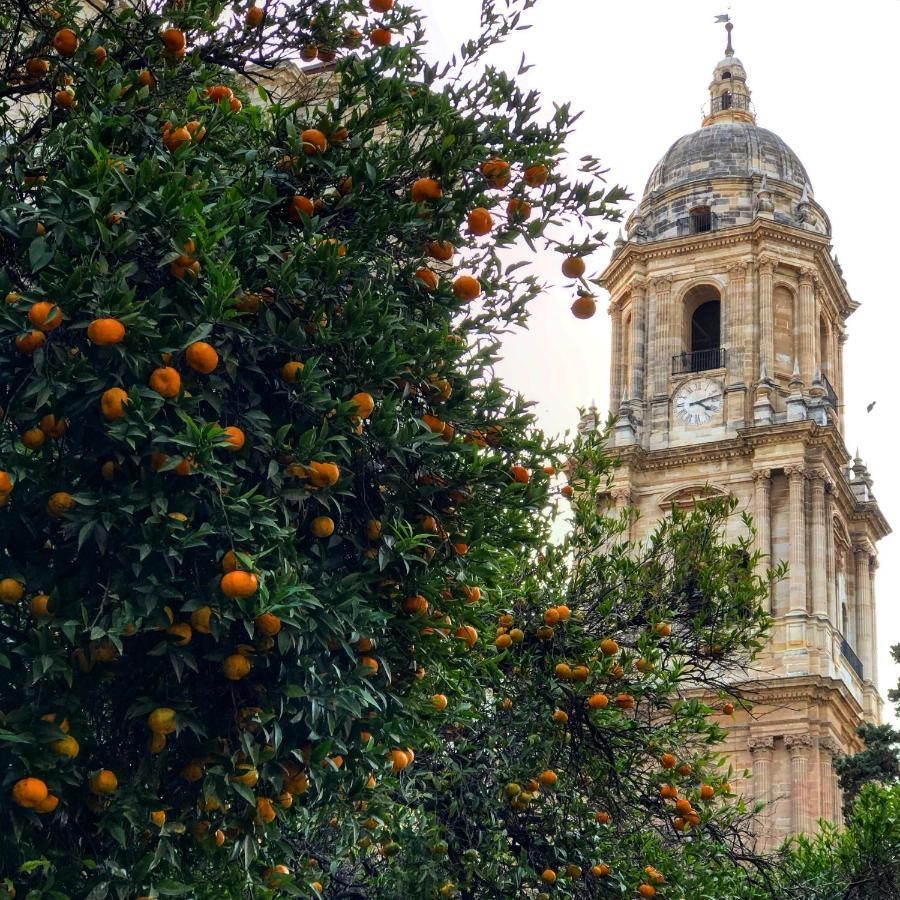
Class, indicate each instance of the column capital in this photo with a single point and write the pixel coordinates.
(761, 743)
(795, 472)
(808, 277)
(818, 475)
(863, 548)
(762, 474)
(621, 496)
(661, 283)
(766, 264)
(639, 283)
(797, 744)
(829, 745)
(737, 270)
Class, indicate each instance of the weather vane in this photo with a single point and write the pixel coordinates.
(729, 27)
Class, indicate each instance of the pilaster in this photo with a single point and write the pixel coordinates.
(638, 338)
(797, 539)
(805, 326)
(818, 556)
(762, 520)
(765, 267)
(798, 747)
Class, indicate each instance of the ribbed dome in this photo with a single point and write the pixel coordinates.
(727, 149)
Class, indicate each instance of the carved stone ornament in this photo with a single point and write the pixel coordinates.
(829, 745)
(761, 742)
(797, 743)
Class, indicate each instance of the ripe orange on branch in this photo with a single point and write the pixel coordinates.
(426, 189)
(480, 221)
(201, 357)
(106, 331)
(45, 316)
(65, 42)
(239, 585)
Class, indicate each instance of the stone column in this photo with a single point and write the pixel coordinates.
(874, 620)
(806, 325)
(797, 538)
(818, 556)
(615, 363)
(830, 565)
(662, 352)
(761, 751)
(762, 519)
(766, 272)
(839, 375)
(798, 746)
(828, 750)
(863, 608)
(638, 338)
(738, 332)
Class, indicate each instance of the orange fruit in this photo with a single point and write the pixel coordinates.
(608, 647)
(235, 437)
(496, 171)
(254, 17)
(728, 709)
(520, 474)
(381, 6)
(31, 342)
(219, 92)
(647, 890)
(104, 782)
(158, 818)
(573, 267)
(313, 141)
(36, 67)
(560, 717)
(426, 189)
(59, 504)
(290, 370)
(300, 204)
(440, 250)
(322, 526)
(33, 438)
(370, 664)
(268, 624)
(65, 98)
(181, 632)
(236, 667)
(480, 221)
(173, 40)
(707, 792)
(602, 817)
(165, 381)
(45, 316)
(468, 635)
(663, 629)
(264, 809)
(185, 467)
(548, 876)
(373, 529)
(428, 278)
(112, 403)
(467, 288)
(548, 778)
(518, 210)
(6, 484)
(364, 403)
(39, 606)
(29, 792)
(439, 702)
(146, 79)
(380, 37)
(600, 870)
(99, 55)
(323, 474)
(66, 746)
(535, 176)
(201, 357)
(11, 591)
(584, 307)
(667, 761)
(200, 619)
(625, 701)
(598, 701)
(65, 42)
(173, 139)
(106, 331)
(668, 792)
(503, 641)
(47, 805)
(416, 604)
(162, 720)
(239, 585)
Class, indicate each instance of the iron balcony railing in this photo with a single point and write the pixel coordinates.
(830, 394)
(729, 101)
(852, 659)
(698, 361)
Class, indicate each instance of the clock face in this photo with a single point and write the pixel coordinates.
(698, 402)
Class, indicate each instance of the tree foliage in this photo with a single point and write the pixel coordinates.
(253, 459)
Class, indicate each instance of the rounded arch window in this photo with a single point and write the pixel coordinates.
(702, 328)
(726, 75)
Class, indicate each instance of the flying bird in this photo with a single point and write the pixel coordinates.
(871, 406)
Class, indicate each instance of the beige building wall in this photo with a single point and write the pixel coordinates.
(751, 406)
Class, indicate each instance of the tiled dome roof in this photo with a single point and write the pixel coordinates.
(727, 149)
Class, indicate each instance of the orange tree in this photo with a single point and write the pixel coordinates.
(249, 435)
(589, 762)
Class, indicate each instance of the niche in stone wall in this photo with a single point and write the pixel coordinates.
(783, 312)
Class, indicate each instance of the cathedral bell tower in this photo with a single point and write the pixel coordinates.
(729, 317)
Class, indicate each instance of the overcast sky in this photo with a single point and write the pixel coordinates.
(823, 77)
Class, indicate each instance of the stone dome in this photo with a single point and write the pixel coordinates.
(727, 150)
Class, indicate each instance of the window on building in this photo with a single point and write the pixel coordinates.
(706, 327)
(726, 101)
(701, 219)
(726, 76)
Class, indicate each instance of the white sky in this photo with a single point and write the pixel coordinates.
(824, 77)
